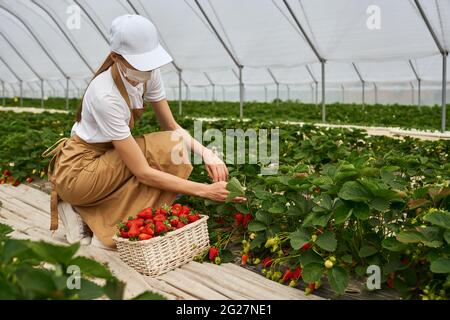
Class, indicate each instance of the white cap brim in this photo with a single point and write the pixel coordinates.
(149, 60)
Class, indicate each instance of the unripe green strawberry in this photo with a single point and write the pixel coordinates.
(314, 238)
(293, 283)
(332, 259)
(308, 291)
(270, 242)
(264, 271)
(317, 284)
(328, 264)
(217, 260)
(256, 261)
(252, 236)
(280, 253)
(268, 274)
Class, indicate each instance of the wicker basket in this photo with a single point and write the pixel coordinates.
(164, 253)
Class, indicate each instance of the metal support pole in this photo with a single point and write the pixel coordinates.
(364, 93)
(278, 92)
(343, 93)
(223, 93)
(214, 94)
(3, 94)
(241, 94)
(376, 92)
(444, 91)
(419, 93)
(317, 93)
(42, 93)
(288, 92)
(312, 93)
(412, 93)
(21, 93)
(67, 93)
(180, 98)
(265, 94)
(324, 111)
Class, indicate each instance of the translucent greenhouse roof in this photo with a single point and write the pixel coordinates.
(277, 42)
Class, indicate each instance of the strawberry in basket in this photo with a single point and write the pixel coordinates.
(151, 222)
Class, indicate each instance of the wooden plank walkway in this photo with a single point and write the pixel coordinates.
(27, 210)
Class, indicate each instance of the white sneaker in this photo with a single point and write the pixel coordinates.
(97, 243)
(76, 229)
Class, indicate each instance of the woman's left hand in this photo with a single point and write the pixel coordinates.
(216, 168)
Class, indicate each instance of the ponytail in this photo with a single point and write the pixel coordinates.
(105, 66)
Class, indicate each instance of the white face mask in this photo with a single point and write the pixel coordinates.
(136, 75)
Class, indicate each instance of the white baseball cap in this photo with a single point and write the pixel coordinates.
(136, 39)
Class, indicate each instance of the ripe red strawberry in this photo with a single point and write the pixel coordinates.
(267, 262)
(287, 275)
(146, 214)
(174, 221)
(405, 260)
(312, 285)
(307, 246)
(238, 217)
(161, 211)
(297, 273)
(144, 236)
(185, 210)
(6, 173)
(193, 217)
(29, 180)
(247, 218)
(148, 230)
(180, 225)
(160, 227)
(134, 231)
(124, 234)
(213, 253)
(176, 209)
(159, 217)
(148, 221)
(139, 222)
(244, 259)
(16, 183)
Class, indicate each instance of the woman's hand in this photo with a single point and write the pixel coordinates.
(217, 192)
(216, 168)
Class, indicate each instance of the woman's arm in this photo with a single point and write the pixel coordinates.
(136, 162)
(216, 168)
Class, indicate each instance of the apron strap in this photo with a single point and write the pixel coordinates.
(123, 92)
(54, 151)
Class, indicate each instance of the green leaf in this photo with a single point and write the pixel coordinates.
(264, 217)
(447, 236)
(361, 211)
(91, 268)
(88, 290)
(310, 256)
(235, 188)
(380, 204)
(299, 238)
(338, 279)
(4, 230)
(259, 239)
(327, 241)
(441, 265)
(439, 218)
(53, 253)
(410, 237)
(114, 289)
(277, 207)
(366, 251)
(354, 191)
(226, 255)
(392, 244)
(147, 295)
(313, 272)
(342, 213)
(255, 226)
(241, 208)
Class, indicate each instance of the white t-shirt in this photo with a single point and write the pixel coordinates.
(105, 115)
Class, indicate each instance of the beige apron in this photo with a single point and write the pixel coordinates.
(94, 179)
